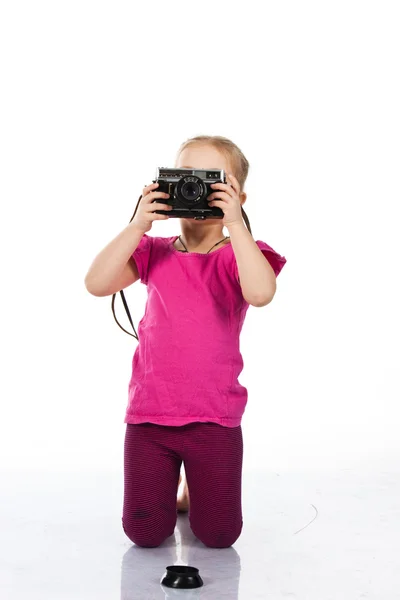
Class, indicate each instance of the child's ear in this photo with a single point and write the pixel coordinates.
(243, 197)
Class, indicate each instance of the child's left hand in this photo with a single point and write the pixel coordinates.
(230, 201)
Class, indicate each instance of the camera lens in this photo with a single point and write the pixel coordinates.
(190, 190)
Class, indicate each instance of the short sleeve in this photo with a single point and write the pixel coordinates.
(276, 261)
(142, 256)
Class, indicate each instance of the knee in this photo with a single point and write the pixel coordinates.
(146, 536)
(218, 537)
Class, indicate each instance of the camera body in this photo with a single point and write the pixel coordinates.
(188, 191)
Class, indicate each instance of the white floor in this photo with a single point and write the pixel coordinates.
(307, 535)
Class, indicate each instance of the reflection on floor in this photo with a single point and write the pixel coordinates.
(306, 535)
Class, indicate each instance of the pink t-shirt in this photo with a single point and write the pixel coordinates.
(186, 365)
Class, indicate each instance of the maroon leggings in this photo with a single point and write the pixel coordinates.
(212, 456)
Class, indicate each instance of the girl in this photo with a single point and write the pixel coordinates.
(185, 402)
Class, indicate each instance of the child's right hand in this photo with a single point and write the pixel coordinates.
(145, 215)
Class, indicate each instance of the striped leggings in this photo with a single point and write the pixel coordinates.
(212, 456)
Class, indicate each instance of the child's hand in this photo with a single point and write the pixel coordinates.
(143, 220)
(230, 201)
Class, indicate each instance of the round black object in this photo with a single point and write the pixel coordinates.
(190, 190)
(181, 577)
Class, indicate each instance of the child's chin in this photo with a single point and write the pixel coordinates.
(194, 220)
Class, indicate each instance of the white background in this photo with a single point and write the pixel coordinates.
(94, 97)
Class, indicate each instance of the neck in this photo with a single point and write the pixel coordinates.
(201, 233)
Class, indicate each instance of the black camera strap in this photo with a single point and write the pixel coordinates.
(186, 250)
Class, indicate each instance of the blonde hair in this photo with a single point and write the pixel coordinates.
(239, 163)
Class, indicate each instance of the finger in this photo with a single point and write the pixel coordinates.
(234, 182)
(223, 195)
(151, 195)
(225, 187)
(220, 185)
(157, 217)
(219, 204)
(157, 206)
(150, 187)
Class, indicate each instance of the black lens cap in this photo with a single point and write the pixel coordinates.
(182, 577)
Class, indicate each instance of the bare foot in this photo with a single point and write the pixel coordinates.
(182, 503)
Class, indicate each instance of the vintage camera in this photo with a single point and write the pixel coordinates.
(188, 191)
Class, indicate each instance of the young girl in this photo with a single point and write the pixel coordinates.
(185, 401)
